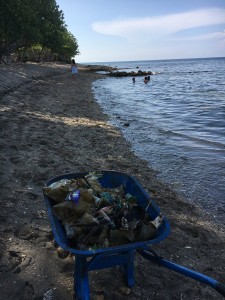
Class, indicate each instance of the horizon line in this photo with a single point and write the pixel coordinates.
(139, 60)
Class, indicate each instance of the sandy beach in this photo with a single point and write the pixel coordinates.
(52, 125)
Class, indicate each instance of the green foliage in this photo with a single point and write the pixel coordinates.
(26, 23)
(69, 45)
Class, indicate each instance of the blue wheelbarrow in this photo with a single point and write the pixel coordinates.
(123, 255)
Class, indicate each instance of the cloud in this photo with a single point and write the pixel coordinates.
(208, 36)
(161, 25)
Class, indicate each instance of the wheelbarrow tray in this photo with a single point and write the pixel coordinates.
(124, 255)
(109, 179)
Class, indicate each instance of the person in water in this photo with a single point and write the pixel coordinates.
(146, 79)
(74, 70)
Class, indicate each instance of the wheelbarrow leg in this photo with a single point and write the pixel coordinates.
(129, 268)
(219, 287)
(81, 282)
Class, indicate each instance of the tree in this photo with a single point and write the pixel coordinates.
(34, 22)
(68, 47)
(17, 27)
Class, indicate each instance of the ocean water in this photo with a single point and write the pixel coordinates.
(176, 123)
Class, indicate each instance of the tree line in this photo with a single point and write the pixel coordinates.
(35, 30)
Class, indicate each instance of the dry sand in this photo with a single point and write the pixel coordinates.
(52, 125)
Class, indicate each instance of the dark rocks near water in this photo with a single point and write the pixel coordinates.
(99, 68)
(115, 72)
(132, 73)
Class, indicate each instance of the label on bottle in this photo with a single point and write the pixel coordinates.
(74, 196)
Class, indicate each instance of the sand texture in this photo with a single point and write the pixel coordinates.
(52, 125)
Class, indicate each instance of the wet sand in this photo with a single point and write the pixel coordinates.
(52, 125)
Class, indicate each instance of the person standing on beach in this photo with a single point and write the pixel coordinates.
(74, 70)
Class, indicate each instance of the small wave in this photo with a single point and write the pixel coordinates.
(188, 138)
(176, 122)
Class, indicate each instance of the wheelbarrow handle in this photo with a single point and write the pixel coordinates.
(219, 287)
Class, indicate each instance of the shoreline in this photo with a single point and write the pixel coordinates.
(59, 128)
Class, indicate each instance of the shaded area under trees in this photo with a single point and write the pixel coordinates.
(35, 31)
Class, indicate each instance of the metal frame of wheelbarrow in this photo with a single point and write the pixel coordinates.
(124, 255)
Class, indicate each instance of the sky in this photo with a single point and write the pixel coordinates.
(122, 30)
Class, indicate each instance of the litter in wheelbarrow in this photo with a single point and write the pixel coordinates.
(95, 217)
(109, 255)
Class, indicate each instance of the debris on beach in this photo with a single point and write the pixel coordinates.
(95, 217)
(49, 295)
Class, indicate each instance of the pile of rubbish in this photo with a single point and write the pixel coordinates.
(95, 217)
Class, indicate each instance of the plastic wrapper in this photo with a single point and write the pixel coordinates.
(96, 217)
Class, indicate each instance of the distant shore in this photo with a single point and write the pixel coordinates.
(52, 125)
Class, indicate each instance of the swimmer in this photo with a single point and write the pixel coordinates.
(146, 79)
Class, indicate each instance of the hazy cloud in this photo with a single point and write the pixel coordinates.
(207, 36)
(163, 25)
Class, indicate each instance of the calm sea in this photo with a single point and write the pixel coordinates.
(177, 123)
